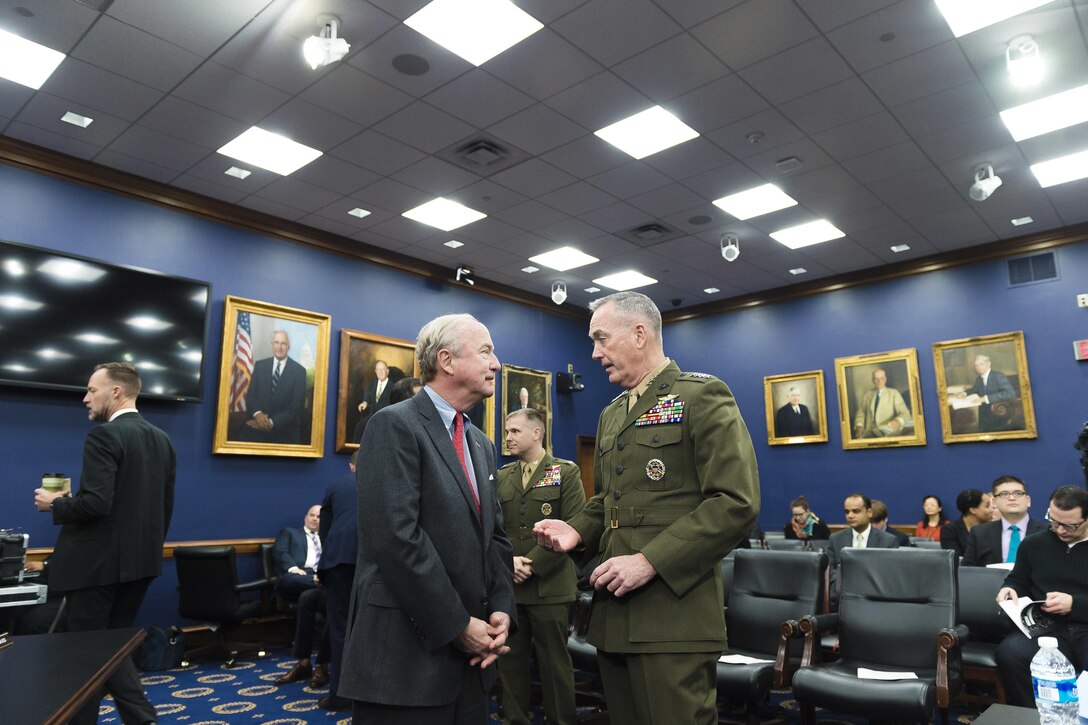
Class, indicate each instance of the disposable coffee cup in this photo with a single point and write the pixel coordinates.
(54, 482)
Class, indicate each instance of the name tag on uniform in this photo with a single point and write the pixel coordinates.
(551, 477)
(666, 411)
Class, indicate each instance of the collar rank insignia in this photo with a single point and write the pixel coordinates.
(667, 410)
(551, 477)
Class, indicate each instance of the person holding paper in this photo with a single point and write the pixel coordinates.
(1052, 568)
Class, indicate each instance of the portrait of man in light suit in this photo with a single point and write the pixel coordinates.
(882, 410)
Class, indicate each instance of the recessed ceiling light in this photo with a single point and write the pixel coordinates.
(149, 323)
(648, 132)
(26, 62)
(444, 214)
(1021, 221)
(476, 31)
(711, 290)
(563, 259)
(238, 173)
(453, 244)
(629, 279)
(530, 269)
(19, 303)
(1062, 169)
(71, 270)
(804, 235)
(897, 248)
(1060, 110)
(18, 368)
(270, 151)
(967, 16)
(76, 120)
(755, 202)
(798, 270)
(96, 338)
(14, 267)
(51, 354)
(359, 212)
(592, 290)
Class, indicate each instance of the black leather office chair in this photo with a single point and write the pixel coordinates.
(924, 542)
(785, 544)
(208, 591)
(771, 591)
(987, 625)
(897, 613)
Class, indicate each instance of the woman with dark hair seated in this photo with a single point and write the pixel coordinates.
(976, 507)
(932, 519)
(804, 524)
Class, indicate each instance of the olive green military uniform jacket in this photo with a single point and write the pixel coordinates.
(554, 492)
(677, 481)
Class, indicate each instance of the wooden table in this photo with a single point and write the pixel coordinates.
(46, 678)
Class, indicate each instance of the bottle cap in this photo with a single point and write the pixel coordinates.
(1048, 641)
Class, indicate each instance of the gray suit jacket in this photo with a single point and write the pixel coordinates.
(845, 538)
(427, 561)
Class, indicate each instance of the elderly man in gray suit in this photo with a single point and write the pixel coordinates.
(433, 599)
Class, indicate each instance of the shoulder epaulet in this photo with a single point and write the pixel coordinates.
(617, 397)
(511, 463)
(701, 377)
(562, 461)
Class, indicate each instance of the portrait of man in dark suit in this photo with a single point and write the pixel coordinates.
(434, 600)
(370, 367)
(793, 418)
(991, 386)
(276, 397)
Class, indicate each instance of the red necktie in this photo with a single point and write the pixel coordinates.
(459, 446)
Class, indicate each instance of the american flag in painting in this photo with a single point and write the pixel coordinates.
(243, 363)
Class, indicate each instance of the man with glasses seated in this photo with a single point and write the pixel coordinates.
(998, 541)
(1051, 567)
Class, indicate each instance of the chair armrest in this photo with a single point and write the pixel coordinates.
(250, 586)
(947, 640)
(788, 630)
(812, 626)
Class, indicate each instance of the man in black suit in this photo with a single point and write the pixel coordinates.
(998, 541)
(276, 397)
(434, 600)
(376, 397)
(792, 419)
(112, 530)
(991, 387)
(339, 538)
(297, 554)
(859, 533)
(880, 522)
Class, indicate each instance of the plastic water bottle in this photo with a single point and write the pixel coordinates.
(1082, 684)
(1055, 683)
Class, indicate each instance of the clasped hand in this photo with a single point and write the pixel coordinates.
(484, 642)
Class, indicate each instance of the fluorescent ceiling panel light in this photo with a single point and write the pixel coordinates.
(967, 16)
(193, 356)
(76, 120)
(14, 267)
(1021, 221)
(148, 323)
(95, 338)
(629, 279)
(454, 244)
(49, 353)
(17, 368)
(563, 259)
(1062, 169)
(20, 303)
(798, 270)
(593, 290)
(755, 202)
(476, 30)
(359, 212)
(26, 62)
(238, 173)
(270, 151)
(444, 214)
(69, 270)
(711, 290)
(148, 365)
(648, 132)
(804, 235)
(897, 248)
(1061, 110)
(530, 269)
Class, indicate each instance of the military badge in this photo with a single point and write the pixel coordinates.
(667, 410)
(655, 469)
(546, 509)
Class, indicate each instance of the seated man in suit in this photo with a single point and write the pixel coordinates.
(793, 419)
(990, 387)
(276, 397)
(297, 553)
(880, 522)
(859, 533)
(998, 541)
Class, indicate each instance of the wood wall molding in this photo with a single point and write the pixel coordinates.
(241, 547)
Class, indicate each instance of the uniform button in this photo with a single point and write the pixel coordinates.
(657, 438)
(616, 494)
(619, 469)
(621, 445)
(662, 386)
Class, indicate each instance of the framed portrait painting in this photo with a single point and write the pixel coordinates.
(880, 400)
(983, 387)
(795, 407)
(370, 365)
(526, 388)
(273, 375)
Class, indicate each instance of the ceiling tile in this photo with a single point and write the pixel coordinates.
(487, 196)
(198, 185)
(135, 166)
(537, 129)
(317, 221)
(112, 45)
(298, 194)
(45, 111)
(599, 101)
(212, 169)
(379, 153)
(887, 162)
(402, 229)
(424, 127)
(797, 71)
(99, 89)
(915, 25)
(615, 218)
(199, 25)
(377, 60)
(353, 94)
(338, 211)
(531, 215)
(307, 124)
(435, 176)
(230, 93)
(831, 15)
(718, 103)
(832, 106)
(571, 231)
(392, 195)
(772, 128)
(933, 70)
(634, 177)
(689, 159)
(577, 198)
(519, 66)
(724, 181)
(184, 120)
(267, 206)
(730, 35)
(533, 178)
(331, 173)
(479, 98)
(55, 25)
(813, 185)
(672, 68)
(945, 109)
(150, 145)
(611, 30)
(877, 131)
(585, 157)
(811, 156)
(666, 200)
(488, 231)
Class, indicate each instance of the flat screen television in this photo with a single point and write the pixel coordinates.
(60, 315)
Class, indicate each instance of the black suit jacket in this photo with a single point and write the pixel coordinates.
(113, 528)
(284, 406)
(290, 550)
(426, 561)
(984, 542)
(787, 423)
(374, 403)
(339, 524)
(997, 388)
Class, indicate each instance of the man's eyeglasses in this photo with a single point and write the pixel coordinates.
(1010, 494)
(1067, 528)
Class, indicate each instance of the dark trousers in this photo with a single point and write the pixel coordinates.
(470, 708)
(337, 581)
(292, 586)
(113, 606)
(646, 689)
(542, 630)
(310, 605)
(1014, 659)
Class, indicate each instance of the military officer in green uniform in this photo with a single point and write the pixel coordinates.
(677, 490)
(534, 487)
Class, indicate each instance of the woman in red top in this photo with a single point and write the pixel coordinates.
(930, 525)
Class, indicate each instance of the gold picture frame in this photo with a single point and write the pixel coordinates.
(888, 419)
(806, 424)
(294, 423)
(538, 386)
(359, 354)
(1000, 408)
